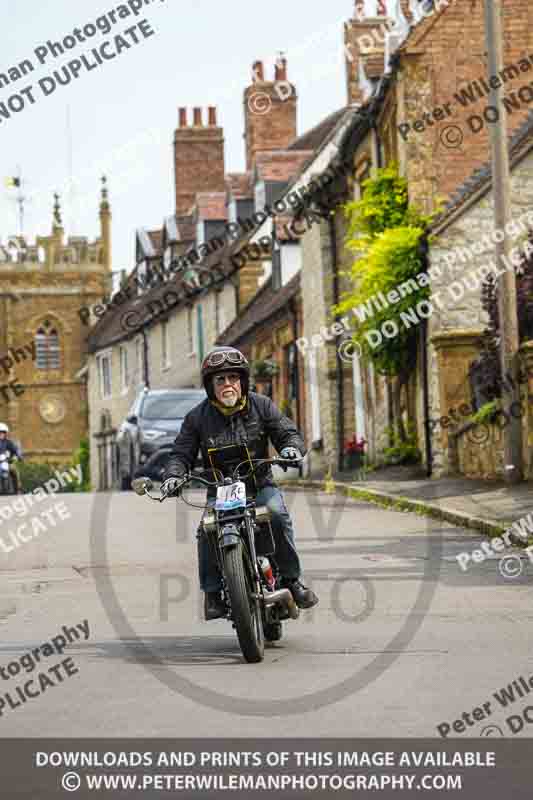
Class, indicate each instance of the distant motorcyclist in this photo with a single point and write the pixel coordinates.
(7, 446)
(233, 415)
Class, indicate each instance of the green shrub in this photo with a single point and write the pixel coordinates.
(81, 457)
(487, 412)
(33, 476)
(406, 452)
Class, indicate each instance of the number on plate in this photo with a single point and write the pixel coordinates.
(232, 496)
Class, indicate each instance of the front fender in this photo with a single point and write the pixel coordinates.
(229, 537)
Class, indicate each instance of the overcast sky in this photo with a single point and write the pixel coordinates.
(121, 116)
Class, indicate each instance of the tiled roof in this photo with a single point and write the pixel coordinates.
(179, 229)
(123, 321)
(259, 310)
(280, 165)
(239, 184)
(312, 139)
(211, 205)
(520, 143)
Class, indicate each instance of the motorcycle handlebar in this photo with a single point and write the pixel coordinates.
(282, 462)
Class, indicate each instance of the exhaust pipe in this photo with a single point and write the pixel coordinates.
(283, 596)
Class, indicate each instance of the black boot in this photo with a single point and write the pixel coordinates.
(303, 597)
(214, 606)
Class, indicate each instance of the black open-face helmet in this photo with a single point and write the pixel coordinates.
(224, 359)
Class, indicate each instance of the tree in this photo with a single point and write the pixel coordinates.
(388, 237)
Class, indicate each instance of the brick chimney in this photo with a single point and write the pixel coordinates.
(364, 43)
(198, 157)
(269, 111)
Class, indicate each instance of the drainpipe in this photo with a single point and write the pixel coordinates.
(425, 379)
(379, 164)
(377, 144)
(339, 378)
(146, 375)
(294, 320)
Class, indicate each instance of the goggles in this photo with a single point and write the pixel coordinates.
(230, 357)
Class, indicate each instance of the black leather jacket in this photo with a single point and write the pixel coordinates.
(205, 427)
(9, 446)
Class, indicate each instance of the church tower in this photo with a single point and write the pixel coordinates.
(43, 286)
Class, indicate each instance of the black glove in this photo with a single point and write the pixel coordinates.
(169, 487)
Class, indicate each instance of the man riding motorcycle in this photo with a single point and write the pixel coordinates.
(7, 446)
(232, 415)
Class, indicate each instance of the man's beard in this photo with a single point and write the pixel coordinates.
(230, 400)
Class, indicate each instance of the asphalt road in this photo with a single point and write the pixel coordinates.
(401, 642)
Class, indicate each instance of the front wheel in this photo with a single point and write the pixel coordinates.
(245, 610)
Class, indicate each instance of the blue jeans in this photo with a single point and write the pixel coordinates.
(286, 555)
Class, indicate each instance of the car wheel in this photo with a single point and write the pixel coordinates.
(124, 480)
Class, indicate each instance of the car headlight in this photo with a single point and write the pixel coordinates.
(153, 434)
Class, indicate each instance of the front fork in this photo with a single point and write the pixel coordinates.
(227, 538)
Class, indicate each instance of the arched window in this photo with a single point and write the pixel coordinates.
(47, 343)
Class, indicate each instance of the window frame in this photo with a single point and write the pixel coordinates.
(101, 358)
(166, 361)
(50, 350)
(124, 369)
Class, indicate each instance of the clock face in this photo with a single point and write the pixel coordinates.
(52, 409)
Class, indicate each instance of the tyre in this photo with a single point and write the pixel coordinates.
(246, 612)
(124, 481)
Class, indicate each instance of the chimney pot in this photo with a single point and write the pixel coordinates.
(183, 117)
(212, 115)
(258, 71)
(198, 117)
(281, 69)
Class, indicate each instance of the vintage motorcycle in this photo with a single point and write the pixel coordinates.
(6, 479)
(240, 534)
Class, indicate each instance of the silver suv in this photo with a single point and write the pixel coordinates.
(152, 424)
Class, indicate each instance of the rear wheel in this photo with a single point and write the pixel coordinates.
(245, 610)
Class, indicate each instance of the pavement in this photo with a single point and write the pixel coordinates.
(397, 623)
(487, 506)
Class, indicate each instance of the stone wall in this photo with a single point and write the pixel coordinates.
(458, 319)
